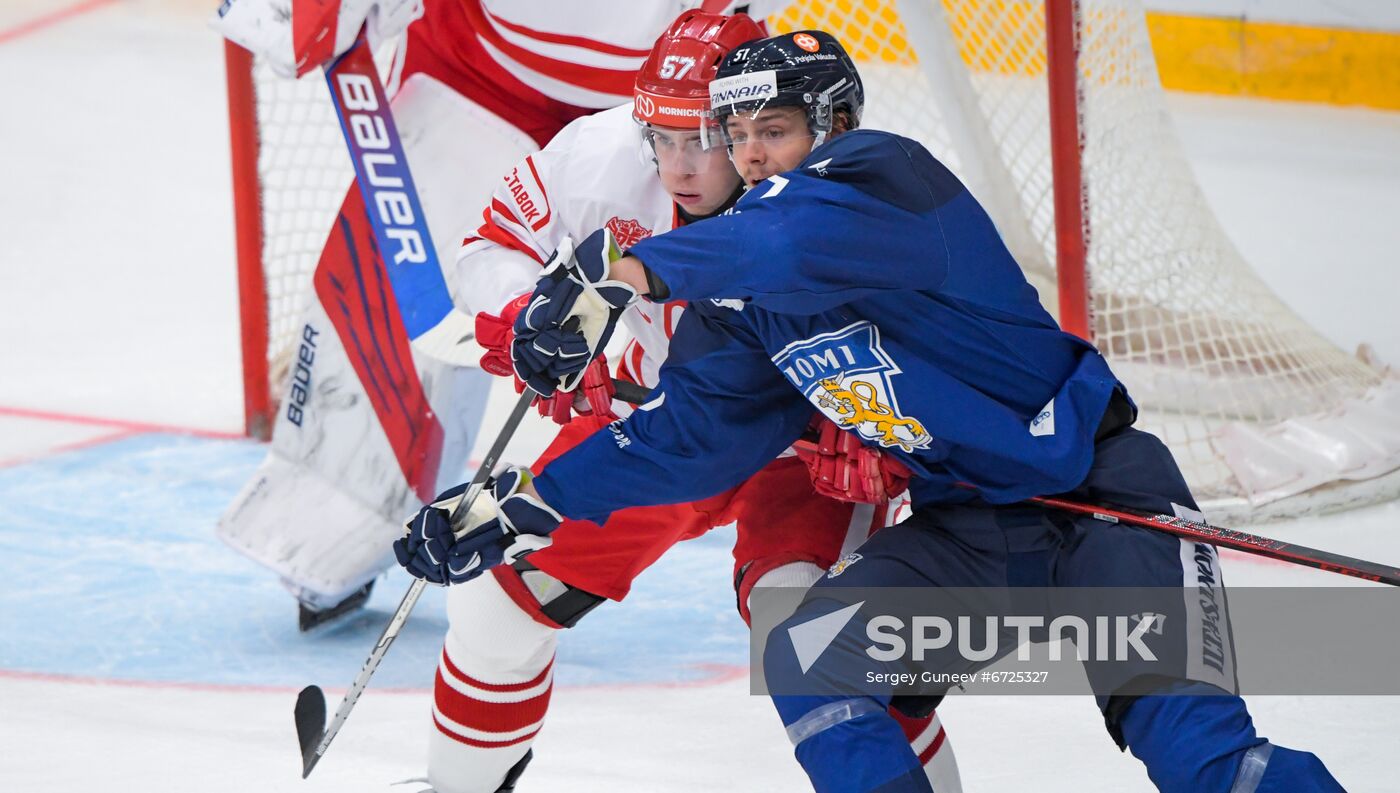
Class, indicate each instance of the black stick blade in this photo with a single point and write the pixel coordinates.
(310, 716)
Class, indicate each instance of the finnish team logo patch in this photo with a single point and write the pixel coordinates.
(846, 374)
(842, 563)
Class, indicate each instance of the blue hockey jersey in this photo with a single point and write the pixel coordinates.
(870, 284)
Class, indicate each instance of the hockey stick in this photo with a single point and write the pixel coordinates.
(312, 732)
(403, 246)
(1181, 527)
(1230, 538)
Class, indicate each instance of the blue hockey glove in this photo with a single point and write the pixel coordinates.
(502, 525)
(571, 315)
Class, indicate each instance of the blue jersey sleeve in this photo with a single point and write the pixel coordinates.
(800, 243)
(720, 413)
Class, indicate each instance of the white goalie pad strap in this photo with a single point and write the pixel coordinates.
(1252, 768)
(830, 715)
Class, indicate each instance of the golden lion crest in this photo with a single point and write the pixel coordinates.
(860, 404)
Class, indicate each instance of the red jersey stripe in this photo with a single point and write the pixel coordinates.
(572, 41)
(496, 233)
(607, 81)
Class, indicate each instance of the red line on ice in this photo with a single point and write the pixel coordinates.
(68, 447)
(51, 18)
(132, 426)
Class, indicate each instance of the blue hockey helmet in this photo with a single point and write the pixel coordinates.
(807, 69)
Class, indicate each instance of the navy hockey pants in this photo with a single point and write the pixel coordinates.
(1189, 743)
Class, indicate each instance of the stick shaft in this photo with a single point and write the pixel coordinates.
(410, 598)
(1237, 540)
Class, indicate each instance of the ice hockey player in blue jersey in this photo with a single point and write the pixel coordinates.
(860, 276)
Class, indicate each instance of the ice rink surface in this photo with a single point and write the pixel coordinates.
(138, 655)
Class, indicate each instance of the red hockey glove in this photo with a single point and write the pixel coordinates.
(495, 333)
(593, 397)
(594, 394)
(845, 469)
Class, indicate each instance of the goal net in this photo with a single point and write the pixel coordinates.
(1265, 416)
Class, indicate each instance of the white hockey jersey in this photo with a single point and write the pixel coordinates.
(593, 174)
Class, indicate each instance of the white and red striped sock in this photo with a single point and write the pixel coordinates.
(493, 684)
(930, 742)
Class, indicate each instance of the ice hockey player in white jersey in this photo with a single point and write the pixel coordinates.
(639, 171)
(476, 85)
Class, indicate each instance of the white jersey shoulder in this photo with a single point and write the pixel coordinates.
(592, 175)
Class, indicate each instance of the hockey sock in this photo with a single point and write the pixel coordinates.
(930, 743)
(1205, 743)
(492, 690)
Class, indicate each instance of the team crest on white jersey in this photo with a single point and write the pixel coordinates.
(847, 375)
(627, 232)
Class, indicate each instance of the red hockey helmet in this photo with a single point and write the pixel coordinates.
(672, 87)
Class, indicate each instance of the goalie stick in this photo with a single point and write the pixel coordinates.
(1218, 536)
(313, 733)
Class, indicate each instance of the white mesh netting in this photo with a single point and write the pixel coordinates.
(1257, 407)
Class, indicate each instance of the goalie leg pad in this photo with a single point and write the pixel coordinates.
(329, 450)
(492, 690)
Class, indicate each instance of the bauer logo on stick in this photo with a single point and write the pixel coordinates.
(382, 167)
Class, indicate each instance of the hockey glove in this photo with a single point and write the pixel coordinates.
(495, 332)
(845, 469)
(594, 396)
(502, 525)
(264, 27)
(571, 316)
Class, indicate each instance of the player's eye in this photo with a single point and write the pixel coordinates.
(773, 134)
